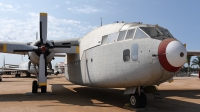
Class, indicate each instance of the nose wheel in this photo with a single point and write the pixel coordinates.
(35, 87)
(138, 101)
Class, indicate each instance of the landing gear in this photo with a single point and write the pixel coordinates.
(17, 75)
(143, 100)
(34, 87)
(138, 101)
(43, 89)
(135, 100)
(28, 75)
(0, 78)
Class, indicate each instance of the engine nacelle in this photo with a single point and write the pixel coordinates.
(34, 56)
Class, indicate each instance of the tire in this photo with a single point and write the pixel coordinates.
(43, 89)
(15, 75)
(143, 100)
(34, 87)
(28, 75)
(0, 79)
(135, 100)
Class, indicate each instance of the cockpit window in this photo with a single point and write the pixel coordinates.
(130, 33)
(104, 39)
(112, 37)
(155, 32)
(121, 35)
(151, 31)
(140, 34)
(165, 32)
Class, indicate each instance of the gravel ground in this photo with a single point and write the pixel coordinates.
(15, 96)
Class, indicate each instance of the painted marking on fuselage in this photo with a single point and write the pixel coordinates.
(77, 49)
(4, 47)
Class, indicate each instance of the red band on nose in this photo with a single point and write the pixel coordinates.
(162, 56)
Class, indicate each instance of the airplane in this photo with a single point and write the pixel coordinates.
(25, 67)
(133, 55)
(59, 68)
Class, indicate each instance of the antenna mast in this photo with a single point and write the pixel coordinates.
(101, 21)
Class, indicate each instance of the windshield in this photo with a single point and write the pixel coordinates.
(165, 31)
(155, 32)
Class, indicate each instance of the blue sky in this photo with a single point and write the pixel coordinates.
(19, 19)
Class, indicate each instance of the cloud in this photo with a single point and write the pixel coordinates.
(84, 9)
(67, 2)
(57, 6)
(25, 30)
(8, 7)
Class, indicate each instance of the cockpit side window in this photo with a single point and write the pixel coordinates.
(130, 33)
(104, 39)
(121, 35)
(140, 34)
(112, 37)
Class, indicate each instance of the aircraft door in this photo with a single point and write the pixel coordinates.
(144, 52)
(134, 52)
(85, 68)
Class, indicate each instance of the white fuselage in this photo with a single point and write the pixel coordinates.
(106, 65)
(25, 66)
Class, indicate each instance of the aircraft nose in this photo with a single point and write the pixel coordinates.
(171, 54)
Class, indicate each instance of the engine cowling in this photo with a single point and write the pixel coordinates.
(34, 56)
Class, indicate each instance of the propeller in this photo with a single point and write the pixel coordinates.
(43, 49)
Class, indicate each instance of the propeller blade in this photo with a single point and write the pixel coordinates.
(42, 70)
(43, 28)
(13, 47)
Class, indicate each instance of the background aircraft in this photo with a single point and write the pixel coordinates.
(59, 68)
(25, 67)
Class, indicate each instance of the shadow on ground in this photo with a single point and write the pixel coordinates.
(85, 96)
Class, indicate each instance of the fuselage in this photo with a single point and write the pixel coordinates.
(30, 70)
(125, 55)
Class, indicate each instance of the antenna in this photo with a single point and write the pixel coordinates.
(101, 21)
(36, 35)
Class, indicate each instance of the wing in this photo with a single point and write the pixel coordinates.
(60, 54)
(15, 69)
(16, 47)
(59, 46)
(193, 53)
(65, 46)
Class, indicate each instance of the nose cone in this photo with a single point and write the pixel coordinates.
(172, 54)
